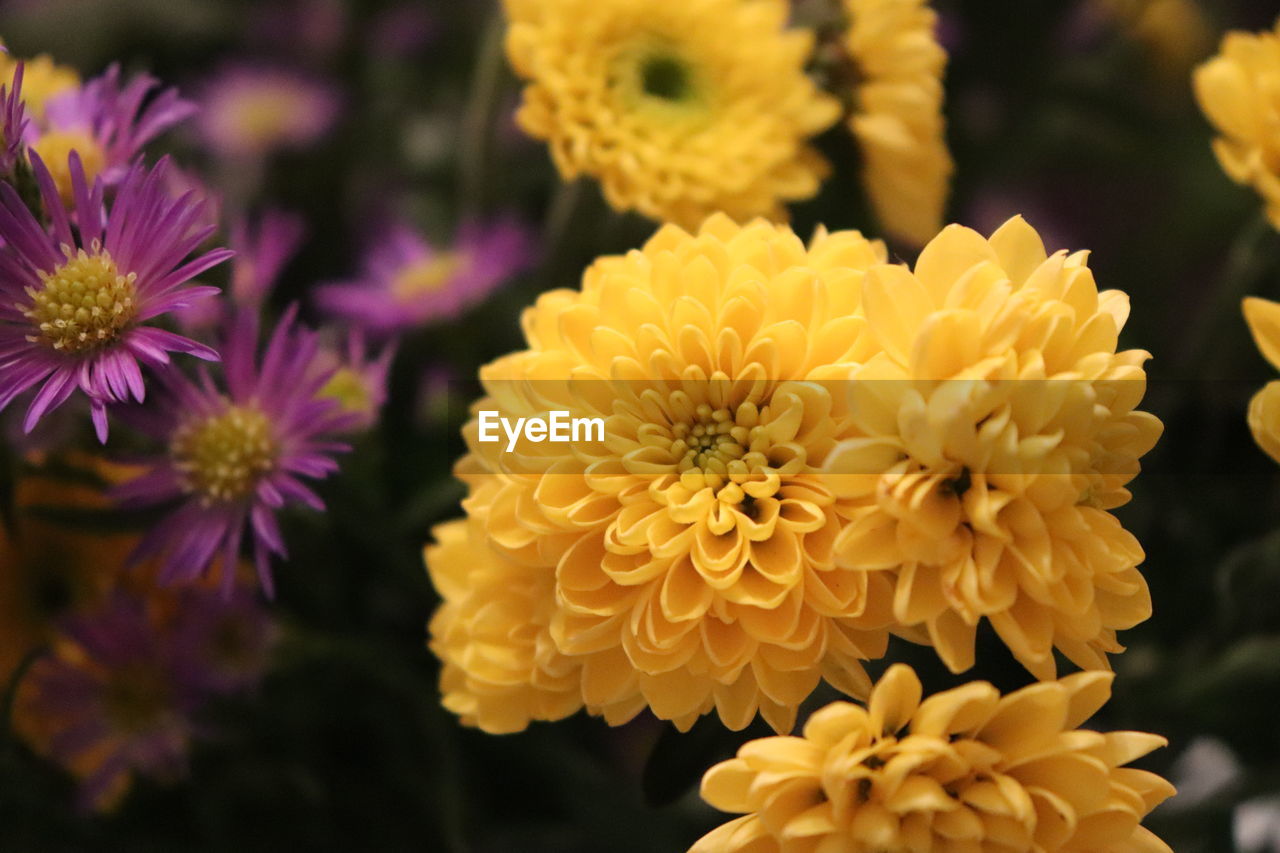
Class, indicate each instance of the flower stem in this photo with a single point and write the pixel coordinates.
(478, 121)
(1240, 273)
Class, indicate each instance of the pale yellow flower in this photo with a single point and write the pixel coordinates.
(1263, 317)
(687, 560)
(680, 108)
(997, 429)
(1239, 93)
(1176, 33)
(897, 113)
(963, 770)
(42, 80)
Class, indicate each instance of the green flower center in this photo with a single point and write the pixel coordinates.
(666, 77)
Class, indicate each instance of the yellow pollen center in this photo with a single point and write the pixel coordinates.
(265, 116)
(348, 387)
(55, 150)
(223, 457)
(655, 75)
(84, 304)
(720, 449)
(428, 275)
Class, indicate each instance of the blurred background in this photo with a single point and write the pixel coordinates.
(1078, 115)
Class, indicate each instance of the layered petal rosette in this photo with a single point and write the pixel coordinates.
(1237, 91)
(998, 428)
(896, 68)
(680, 108)
(687, 559)
(965, 770)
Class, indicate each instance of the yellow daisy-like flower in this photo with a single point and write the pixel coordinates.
(997, 428)
(963, 770)
(1263, 317)
(687, 559)
(1237, 91)
(680, 108)
(42, 79)
(897, 113)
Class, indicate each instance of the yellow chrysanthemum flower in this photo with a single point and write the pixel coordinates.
(687, 559)
(897, 113)
(1238, 93)
(966, 769)
(997, 428)
(1176, 33)
(501, 667)
(1263, 317)
(42, 79)
(680, 108)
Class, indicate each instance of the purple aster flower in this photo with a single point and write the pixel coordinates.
(13, 122)
(236, 457)
(228, 640)
(74, 311)
(249, 111)
(357, 379)
(263, 246)
(107, 123)
(408, 283)
(113, 699)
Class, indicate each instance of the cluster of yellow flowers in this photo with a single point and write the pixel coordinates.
(683, 108)
(1238, 92)
(809, 450)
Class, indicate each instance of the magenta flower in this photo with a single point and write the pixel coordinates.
(249, 111)
(107, 123)
(114, 699)
(235, 458)
(263, 246)
(357, 379)
(74, 311)
(408, 283)
(226, 641)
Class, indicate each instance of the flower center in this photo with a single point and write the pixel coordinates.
(84, 304)
(666, 77)
(55, 150)
(719, 448)
(135, 697)
(223, 457)
(348, 387)
(655, 75)
(429, 275)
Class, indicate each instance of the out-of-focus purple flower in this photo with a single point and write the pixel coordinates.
(358, 379)
(75, 307)
(228, 639)
(263, 246)
(402, 30)
(436, 395)
(113, 699)
(250, 111)
(13, 122)
(107, 123)
(235, 458)
(407, 282)
(307, 28)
